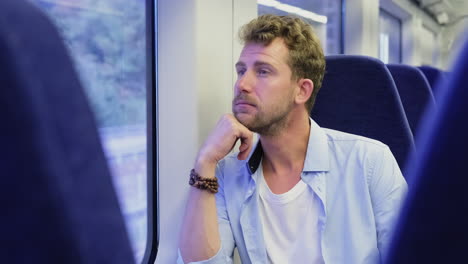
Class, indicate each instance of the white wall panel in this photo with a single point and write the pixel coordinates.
(362, 28)
(451, 40)
(411, 52)
(213, 62)
(178, 118)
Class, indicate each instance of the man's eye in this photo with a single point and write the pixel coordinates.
(240, 72)
(262, 72)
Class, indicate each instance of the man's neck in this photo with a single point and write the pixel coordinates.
(284, 154)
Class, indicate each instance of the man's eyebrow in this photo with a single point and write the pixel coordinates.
(256, 64)
(262, 63)
(240, 64)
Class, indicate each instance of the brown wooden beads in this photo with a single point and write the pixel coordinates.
(209, 184)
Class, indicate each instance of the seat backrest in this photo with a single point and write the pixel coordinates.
(415, 92)
(359, 97)
(58, 201)
(433, 75)
(433, 224)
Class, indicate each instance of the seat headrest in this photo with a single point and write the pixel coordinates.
(415, 92)
(359, 96)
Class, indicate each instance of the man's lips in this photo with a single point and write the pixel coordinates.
(243, 102)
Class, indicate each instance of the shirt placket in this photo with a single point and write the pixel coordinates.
(251, 226)
(318, 184)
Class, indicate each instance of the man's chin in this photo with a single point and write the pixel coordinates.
(245, 119)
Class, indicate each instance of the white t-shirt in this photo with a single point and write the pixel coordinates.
(290, 224)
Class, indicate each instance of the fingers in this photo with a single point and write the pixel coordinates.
(223, 138)
(243, 154)
(246, 139)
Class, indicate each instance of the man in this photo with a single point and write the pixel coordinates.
(301, 193)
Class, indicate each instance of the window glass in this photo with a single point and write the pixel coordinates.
(389, 38)
(324, 16)
(107, 41)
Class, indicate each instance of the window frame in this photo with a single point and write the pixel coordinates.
(400, 24)
(343, 27)
(152, 238)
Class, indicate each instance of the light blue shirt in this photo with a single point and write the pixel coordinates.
(358, 183)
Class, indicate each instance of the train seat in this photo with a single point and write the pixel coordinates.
(433, 75)
(415, 92)
(433, 224)
(359, 97)
(58, 201)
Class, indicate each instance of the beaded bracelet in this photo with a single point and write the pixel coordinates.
(210, 184)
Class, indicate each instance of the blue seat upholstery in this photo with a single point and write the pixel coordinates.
(415, 92)
(433, 75)
(58, 202)
(433, 225)
(359, 97)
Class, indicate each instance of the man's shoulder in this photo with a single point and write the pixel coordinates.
(341, 138)
(369, 153)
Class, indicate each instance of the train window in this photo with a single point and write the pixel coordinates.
(107, 40)
(324, 16)
(389, 37)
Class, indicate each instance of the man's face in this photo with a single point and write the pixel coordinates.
(264, 90)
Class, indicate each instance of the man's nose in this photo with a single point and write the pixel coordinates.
(246, 82)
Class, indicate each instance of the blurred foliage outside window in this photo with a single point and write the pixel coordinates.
(107, 41)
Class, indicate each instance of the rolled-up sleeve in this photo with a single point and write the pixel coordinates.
(388, 190)
(226, 251)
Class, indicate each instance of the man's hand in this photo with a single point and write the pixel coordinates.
(221, 141)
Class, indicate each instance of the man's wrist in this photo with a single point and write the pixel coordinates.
(205, 167)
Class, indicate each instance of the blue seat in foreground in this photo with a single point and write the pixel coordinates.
(359, 97)
(433, 227)
(58, 201)
(415, 92)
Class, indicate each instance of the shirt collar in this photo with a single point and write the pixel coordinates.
(255, 157)
(316, 156)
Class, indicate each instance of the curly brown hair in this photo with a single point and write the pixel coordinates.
(306, 58)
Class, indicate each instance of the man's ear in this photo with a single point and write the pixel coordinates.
(306, 87)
